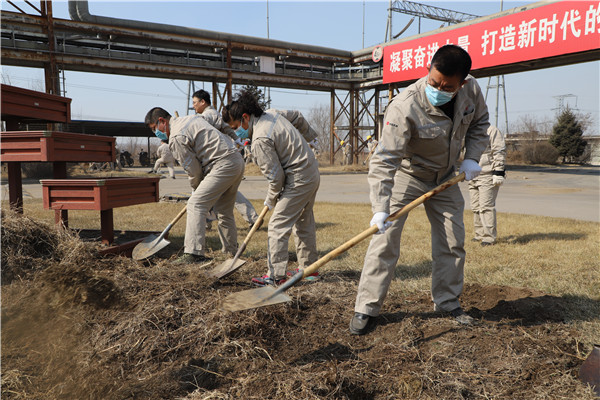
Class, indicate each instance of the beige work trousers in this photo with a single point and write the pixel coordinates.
(170, 166)
(245, 208)
(445, 214)
(483, 196)
(218, 190)
(293, 213)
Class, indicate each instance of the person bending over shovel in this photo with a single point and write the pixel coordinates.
(215, 170)
(285, 159)
(424, 129)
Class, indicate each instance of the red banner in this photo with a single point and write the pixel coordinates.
(560, 28)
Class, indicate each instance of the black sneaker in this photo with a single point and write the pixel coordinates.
(483, 244)
(360, 323)
(462, 317)
(188, 258)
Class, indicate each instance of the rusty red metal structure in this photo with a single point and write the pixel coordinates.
(92, 43)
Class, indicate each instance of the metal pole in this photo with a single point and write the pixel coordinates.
(497, 98)
(331, 126)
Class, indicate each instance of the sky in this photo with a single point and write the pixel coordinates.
(335, 24)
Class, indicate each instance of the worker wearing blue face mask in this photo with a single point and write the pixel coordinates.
(282, 152)
(424, 129)
(202, 105)
(214, 167)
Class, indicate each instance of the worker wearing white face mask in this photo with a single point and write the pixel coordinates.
(424, 129)
(215, 169)
(285, 159)
(483, 190)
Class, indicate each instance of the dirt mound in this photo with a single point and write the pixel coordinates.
(111, 328)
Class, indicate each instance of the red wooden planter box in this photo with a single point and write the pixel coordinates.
(26, 146)
(18, 103)
(99, 194)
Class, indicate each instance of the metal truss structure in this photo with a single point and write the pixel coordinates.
(91, 43)
(431, 12)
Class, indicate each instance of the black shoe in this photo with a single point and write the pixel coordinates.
(360, 323)
(188, 258)
(483, 244)
(462, 317)
(151, 171)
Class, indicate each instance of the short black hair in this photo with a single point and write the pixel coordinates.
(154, 114)
(202, 95)
(452, 60)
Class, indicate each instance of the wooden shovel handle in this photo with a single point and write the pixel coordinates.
(168, 228)
(373, 229)
(256, 226)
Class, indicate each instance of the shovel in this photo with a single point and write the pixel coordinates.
(153, 244)
(231, 265)
(268, 295)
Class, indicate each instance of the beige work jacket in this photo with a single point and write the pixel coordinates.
(164, 153)
(197, 145)
(213, 117)
(300, 123)
(420, 140)
(282, 153)
(494, 156)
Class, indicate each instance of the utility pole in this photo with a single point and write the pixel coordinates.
(497, 87)
(268, 88)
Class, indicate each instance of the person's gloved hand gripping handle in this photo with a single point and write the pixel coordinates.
(379, 220)
(471, 169)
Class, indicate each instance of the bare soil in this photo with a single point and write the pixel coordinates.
(78, 326)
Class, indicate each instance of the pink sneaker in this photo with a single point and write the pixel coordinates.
(267, 280)
(312, 277)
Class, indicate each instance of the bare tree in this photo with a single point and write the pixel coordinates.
(318, 117)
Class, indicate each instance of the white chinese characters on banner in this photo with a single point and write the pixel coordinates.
(555, 29)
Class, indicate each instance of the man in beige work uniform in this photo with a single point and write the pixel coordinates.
(423, 132)
(164, 157)
(202, 105)
(215, 169)
(483, 190)
(285, 159)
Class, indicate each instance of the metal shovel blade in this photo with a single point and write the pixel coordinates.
(227, 267)
(150, 246)
(253, 298)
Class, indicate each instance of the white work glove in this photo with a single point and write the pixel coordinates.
(239, 142)
(268, 205)
(314, 144)
(497, 180)
(379, 220)
(470, 168)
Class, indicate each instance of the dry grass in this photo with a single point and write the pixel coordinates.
(77, 325)
(554, 255)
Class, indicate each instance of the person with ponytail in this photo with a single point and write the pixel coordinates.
(286, 160)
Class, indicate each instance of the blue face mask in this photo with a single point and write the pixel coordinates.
(241, 132)
(438, 97)
(160, 134)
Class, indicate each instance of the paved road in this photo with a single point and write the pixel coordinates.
(554, 192)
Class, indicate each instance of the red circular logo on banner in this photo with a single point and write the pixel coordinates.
(377, 54)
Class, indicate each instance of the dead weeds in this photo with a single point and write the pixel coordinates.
(75, 325)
